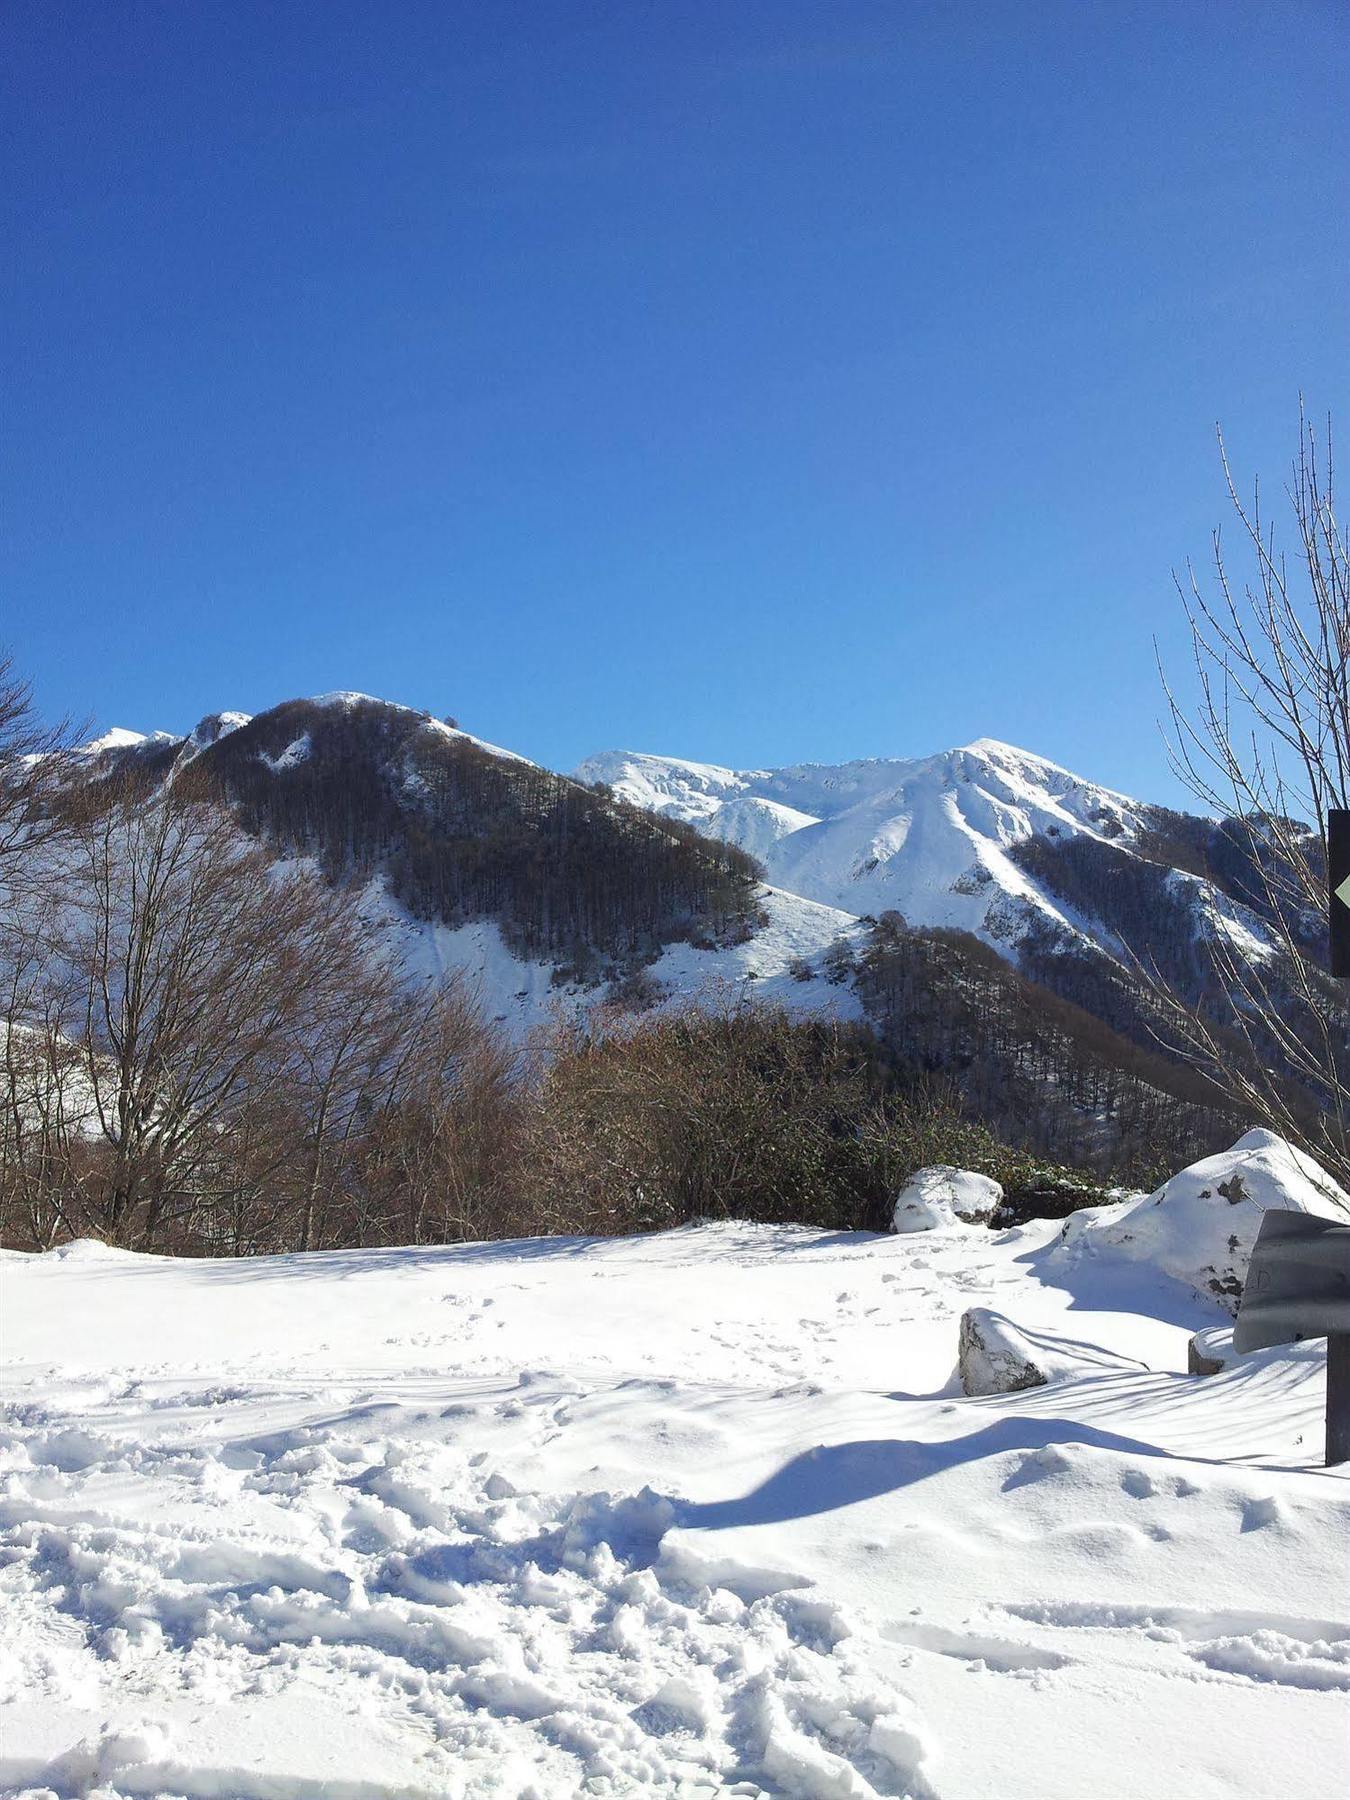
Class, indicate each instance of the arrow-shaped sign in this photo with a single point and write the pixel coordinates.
(1338, 885)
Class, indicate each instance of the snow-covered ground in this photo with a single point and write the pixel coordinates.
(695, 1514)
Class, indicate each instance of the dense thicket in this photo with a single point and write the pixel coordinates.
(1144, 904)
(1040, 1070)
(568, 873)
(750, 1114)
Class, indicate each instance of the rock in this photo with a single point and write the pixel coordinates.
(1200, 1226)
(921, 1215)
(994, 1357)
(1211, 1351)
(940, 1196)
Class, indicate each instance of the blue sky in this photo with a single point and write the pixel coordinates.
(755, 381)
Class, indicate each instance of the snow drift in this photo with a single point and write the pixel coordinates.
(1200, 1226)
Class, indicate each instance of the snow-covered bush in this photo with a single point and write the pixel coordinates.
(939, 1195)
(1200, 1226)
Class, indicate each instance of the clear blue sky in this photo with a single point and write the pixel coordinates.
(746, 379)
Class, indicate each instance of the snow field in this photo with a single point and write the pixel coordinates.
(697, 1514)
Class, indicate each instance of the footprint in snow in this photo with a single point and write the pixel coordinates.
(1138, 1484)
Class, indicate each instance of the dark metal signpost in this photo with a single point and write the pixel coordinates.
(1298, 1286)
(1298, 1282)
(1338, 890)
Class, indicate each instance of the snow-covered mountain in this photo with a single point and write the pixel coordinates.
(934, 839)
(873, 890)
(543, 888)
(480, 863)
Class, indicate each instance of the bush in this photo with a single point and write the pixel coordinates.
(744, 1114)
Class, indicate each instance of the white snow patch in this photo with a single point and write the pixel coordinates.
(295, 753)
(121, 739)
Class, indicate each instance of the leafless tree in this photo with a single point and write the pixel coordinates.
(206, 1050)
(33, 759)
(439, 1160)
(1265, 742)
(199, 973)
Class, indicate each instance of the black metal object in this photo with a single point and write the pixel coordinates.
(1338, 1397)
(1338, 890)
(1298, 1286)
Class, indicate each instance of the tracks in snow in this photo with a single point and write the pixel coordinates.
(494, 1627)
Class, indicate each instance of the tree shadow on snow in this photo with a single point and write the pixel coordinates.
(835, 1475)
(1113, 1284)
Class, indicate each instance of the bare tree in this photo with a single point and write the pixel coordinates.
(1266, 744)
(33, 759)
(199, 972)
(440, 1154)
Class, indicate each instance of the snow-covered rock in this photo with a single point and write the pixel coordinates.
(1200, 1226)
(1210, 1351)
(941, 1192)
(996, 1356)
(917, 1211)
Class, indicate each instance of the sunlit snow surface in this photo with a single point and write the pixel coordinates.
(693, 1514)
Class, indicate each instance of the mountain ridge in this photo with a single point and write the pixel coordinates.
(988, 912)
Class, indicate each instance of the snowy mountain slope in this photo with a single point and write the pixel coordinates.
(215, 726)
(523, 995)
(931, 838)
(293, 769)
(983, 839)
(698, 1513)
(756, 824)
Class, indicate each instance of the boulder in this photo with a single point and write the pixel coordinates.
(940, 1196)
(1210, 1351)
(995, 1356)
(1200, 1226)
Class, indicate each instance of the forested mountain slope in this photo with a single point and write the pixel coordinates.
(532, 883)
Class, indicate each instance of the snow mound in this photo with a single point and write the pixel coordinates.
(940, 1195)
(88, 1250)
(1200, 1226)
